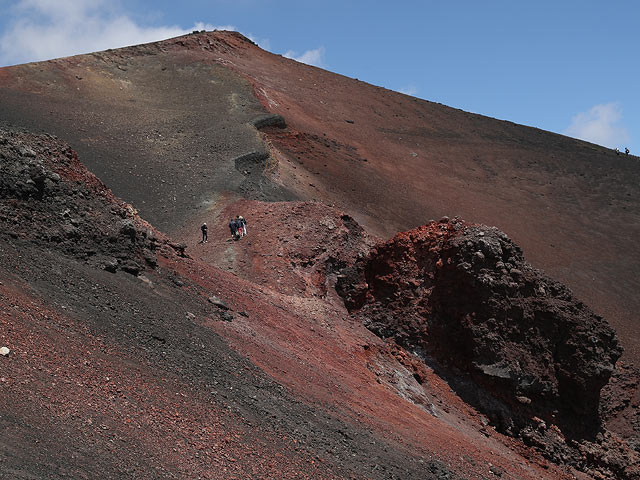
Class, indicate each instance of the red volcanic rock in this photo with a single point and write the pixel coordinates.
(463, 294)
(296, 248)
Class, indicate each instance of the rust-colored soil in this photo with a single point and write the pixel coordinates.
(394, 162)
(162, 124)
(137, 351)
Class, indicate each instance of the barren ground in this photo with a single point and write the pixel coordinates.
(119, 375)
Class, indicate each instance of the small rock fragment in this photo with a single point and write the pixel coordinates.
(218, 303)
(4, 351)
(26, 152)
(478, 257)
(131, 267)
(128, 229)
(497, 471)
(150, 258)
(111, 265)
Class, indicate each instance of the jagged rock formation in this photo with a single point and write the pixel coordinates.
(462, 295)
(48, 196)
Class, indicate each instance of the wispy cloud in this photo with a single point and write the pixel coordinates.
(409, 90)
(601, 125)
(44, 29)
(314, 57)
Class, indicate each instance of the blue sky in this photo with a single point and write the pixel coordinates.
(568, 66)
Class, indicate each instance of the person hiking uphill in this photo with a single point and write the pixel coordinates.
(204, 233)
(233, 226)
(242, 225)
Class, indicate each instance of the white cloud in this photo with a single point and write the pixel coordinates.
(44, 29)
(409, 90)
(601, 125)
(310, 57)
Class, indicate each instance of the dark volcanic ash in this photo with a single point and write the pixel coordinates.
(47, 196)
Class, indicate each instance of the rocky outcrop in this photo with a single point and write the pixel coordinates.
(463, 295)
(269, 120)
(47, 196)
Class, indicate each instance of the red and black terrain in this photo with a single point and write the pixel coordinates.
(313, 347)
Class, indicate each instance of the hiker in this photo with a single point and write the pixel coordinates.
(239, 229)
(617, 151)
(626, 151)
(243, 224)
(204, 232)
(234, 228)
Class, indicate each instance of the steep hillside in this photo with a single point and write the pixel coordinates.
(165, 124)
(128, 358)
(136, 350)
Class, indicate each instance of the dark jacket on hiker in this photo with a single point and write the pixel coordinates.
(242, 225)
(204, 232)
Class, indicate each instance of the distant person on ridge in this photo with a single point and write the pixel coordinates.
(234, 228)
(617, 151)
(204, 232)
(626, 151)
(239, 229)
(238, 226)
(242, 225)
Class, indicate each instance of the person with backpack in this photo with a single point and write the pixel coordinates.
(242, 225)
(233, 226)
(204, 232)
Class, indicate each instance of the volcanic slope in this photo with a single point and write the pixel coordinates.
(241, 357)
(129, 359)
(169, 126)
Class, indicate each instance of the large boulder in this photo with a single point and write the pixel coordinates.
(463, 296)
